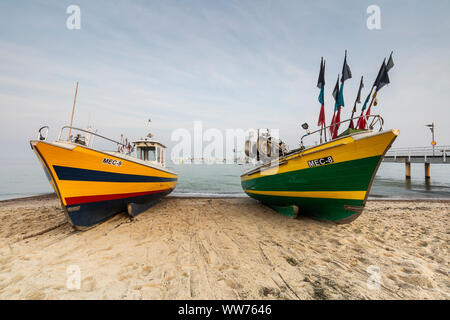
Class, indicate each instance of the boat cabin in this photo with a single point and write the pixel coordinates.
(151, 151)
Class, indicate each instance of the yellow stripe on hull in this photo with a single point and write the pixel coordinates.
(353, 195)
(91, 188)
(88, 159)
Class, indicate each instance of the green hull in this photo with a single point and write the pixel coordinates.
(355, 175)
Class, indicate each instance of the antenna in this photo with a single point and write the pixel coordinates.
(73, 110)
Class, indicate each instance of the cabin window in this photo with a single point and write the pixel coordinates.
(147, 154)
(151, 154)
(154, 153)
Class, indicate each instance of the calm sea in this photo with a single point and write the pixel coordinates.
(26, 178)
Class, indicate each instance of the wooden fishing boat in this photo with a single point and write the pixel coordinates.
(329, 181)
(93, 185)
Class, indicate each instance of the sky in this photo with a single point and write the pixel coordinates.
(230, 64)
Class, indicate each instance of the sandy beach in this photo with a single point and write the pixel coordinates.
(197, 248)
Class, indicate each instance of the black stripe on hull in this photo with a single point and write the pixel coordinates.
(77, 174)
(89, 214)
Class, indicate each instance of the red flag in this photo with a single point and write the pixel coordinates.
(334, 133)
(337, 119)
(331, 125)
(321, 116)
(321, 86)
(361, 122)
(366, 118)
(368, 112)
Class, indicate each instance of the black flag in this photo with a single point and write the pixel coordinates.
(390, 63)
(321, 80)
(346, 72)
(358, 97)
(383, 78)
(361, 85)
(379, 72)
(336, 91)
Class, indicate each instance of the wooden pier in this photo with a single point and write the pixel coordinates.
(425, 155)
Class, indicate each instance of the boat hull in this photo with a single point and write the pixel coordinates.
(329, 182)
(93, 186)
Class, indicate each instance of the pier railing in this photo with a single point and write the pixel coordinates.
(425, 155)
(438, 154)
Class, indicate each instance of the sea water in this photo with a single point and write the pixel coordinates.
(21, 178)
(390, 182)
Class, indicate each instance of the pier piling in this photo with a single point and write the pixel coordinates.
(427, 171)
(408, 170)
(425, 155)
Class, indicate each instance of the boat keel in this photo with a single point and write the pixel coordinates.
(287, 211)
(135, 209)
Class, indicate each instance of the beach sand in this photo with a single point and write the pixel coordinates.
(196, 248)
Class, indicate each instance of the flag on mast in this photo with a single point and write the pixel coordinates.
(346, 74)
(361, 124)
(358, 97)
(336, 94)
(390, 63)
(337, 119)
(362, 119)
(383, 76)
(381, 80)
(336, 98)
(374, 101)
(358, 100)
(321, 86)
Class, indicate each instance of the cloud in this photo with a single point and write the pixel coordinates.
(232, 64)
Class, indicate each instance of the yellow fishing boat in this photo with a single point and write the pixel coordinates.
(93, 185)
(330, 181)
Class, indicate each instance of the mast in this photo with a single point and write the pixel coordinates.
(357, 100)
(73, 110)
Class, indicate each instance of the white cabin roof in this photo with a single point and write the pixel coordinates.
(148, 143)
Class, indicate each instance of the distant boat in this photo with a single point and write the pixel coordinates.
(93, 185)
(330, 181)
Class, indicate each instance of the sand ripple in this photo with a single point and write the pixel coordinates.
(225, 249)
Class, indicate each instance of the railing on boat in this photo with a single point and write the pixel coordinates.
(41, 135)
(376, 119)
(280, 160)
(121, 147)
(88, 132)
